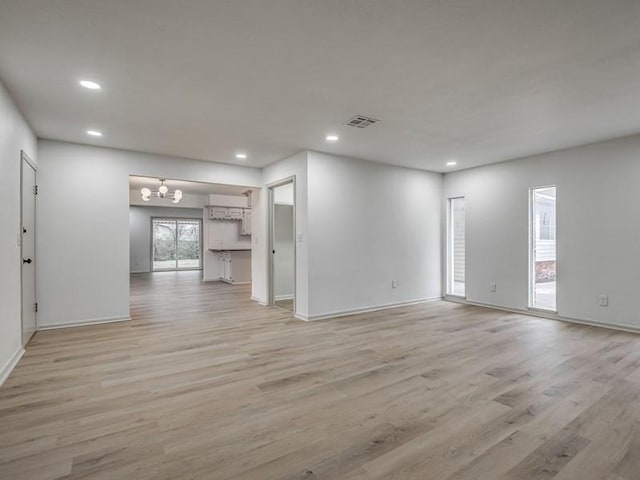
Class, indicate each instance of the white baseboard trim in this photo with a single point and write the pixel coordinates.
(548, 315)
(357, 311)
(259, 300)
(84, 323)
(279, 298)
(8, 367)
(232, 282)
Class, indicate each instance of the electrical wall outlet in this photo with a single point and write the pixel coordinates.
(493, 287)
(394, 283)
(603, 301)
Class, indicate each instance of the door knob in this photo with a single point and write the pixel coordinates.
(26, 260)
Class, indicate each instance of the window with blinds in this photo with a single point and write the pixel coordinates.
(456, 247)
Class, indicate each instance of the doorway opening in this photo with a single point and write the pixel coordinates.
(188, 241)
(282, 285)
(28, 192)
(542, 248)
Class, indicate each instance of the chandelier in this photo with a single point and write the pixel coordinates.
(162, 192)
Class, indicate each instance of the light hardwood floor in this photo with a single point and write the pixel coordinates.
(205, 384)
(286, 304)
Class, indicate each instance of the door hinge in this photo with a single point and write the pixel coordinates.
(36, 307)
(35, 189)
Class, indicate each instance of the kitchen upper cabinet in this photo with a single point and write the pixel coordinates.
(234, 213)
(218, 213)
(230, 213)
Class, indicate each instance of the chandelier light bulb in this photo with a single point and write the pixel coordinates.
(162, 192)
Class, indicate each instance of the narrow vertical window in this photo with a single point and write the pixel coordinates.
(456, 248)
(542, 254)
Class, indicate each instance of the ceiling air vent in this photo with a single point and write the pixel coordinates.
(360, 121)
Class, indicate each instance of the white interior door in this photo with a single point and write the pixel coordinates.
(28, 226)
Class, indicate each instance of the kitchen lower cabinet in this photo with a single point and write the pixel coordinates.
(235, 266)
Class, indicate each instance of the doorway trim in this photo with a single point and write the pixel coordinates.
(271, 301)
(24, 158)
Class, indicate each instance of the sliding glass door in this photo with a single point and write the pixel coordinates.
(176, 244)
(542, 252)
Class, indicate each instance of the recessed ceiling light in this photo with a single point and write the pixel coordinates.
(332, 138)
(452, 163)
(90, 85)
(94, 133)
(241, 156)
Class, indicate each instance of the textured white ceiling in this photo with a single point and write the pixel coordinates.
(475, 81)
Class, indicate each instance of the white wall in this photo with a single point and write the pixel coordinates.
(283, 268)
(597, 229)
(83, 237)
(283, 194)
(295, 166)
(370, 224)
(359, 225)
(15, 135)
(228, 200)
(140, 232)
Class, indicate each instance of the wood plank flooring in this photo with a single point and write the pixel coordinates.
(205, 384)
(286, 304)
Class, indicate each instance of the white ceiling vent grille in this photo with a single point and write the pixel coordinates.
(360, 121)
